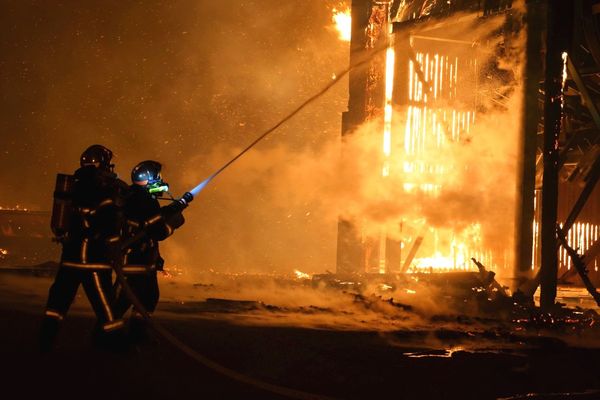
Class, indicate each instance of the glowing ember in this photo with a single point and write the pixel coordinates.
(15, 208)
(3, 252)
(445, 354)
(343, 23)
(565, 57)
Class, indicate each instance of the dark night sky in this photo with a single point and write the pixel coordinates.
(183, 82)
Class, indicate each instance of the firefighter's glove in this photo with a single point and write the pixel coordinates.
(176, 220)
(172, 214)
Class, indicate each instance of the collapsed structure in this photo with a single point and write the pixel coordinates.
(445, 66)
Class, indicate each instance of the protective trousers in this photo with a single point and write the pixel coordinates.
(145, 288)
(98, 288)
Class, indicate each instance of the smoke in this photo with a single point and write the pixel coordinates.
(281, 203)
(179, 82)
(285, 301)
(190, 84)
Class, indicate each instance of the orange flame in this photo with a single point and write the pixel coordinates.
(343, 23)
(431, 122)
(301, 275)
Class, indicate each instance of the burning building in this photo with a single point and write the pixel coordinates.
(445, 80)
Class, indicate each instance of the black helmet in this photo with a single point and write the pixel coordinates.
(98, 156)
(147, 174)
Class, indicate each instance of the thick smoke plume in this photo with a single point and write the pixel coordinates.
(286, 186)
(190, 84)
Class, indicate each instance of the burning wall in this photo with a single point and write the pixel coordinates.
(584, 233)
(448, 144)
(190, 86)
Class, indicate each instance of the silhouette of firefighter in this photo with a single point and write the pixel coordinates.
(87, 221)
(142, 259)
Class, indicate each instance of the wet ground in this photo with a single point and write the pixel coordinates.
(296, 336)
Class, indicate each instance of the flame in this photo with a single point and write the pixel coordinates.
(390, 59)
(387, 110)
(427, 126)
(432, 122)
(462, 249)
(581, 236)
(565, 57)
(301, 275)
(343, 23)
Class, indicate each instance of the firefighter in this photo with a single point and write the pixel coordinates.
(90, 235)
(142, 260)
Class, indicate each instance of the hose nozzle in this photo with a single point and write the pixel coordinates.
(186, 199)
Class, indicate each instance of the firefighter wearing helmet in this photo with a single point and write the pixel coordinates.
(142, 260)
(87, 222)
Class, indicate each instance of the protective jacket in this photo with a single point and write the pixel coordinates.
(142, 259)
(90, 244)
(97, 221)
(143, 212)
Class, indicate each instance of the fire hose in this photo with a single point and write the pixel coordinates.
(195, 355)
(187, 350)
(184, 202)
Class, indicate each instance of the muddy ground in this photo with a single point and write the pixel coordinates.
(297, 336)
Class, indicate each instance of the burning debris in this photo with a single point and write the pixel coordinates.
(470, 310)
(301, 275)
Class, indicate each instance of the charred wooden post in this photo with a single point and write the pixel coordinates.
(412, 253)
(366, 101)
(535, 25)
(349, 247)
(560, 18)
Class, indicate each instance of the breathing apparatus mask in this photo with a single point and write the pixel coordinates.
(147, 174)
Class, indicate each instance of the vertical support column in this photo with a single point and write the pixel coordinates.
(349, 246)
(560, 19)
(535, 27)
(399, 101)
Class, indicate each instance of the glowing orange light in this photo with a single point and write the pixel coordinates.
(387, 112)
(343, 23)
(301, 275)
